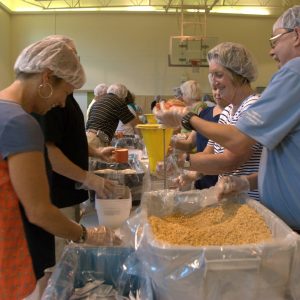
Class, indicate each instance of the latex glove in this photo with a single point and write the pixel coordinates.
(160, 171)
(171, 167)
(230, 186)
(103, 187)
(170, 117)
(185, 180)
(101, 236)
(106, 153)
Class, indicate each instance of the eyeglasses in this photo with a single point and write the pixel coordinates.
(274, 39)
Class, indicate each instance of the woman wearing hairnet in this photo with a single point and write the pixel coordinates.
(46, 72)
(274, 121)
(191, 96)
(231, 70)
(195, 139)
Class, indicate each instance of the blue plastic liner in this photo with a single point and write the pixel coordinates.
(117, 266)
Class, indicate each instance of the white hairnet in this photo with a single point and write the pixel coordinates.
(234, 57)
(289, 19)
(60, 37)
(54, 54)
(100, 89)
(118, 89)
(191, 90)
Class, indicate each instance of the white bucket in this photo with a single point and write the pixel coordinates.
(113, 212)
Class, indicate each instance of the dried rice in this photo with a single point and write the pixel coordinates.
(227, 224)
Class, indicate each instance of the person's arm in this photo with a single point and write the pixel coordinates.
(187, 144)
(104, 153)
(133, 123)
(213, 164)
(63, 166)
(230, 186)
(28, 177)
(229, 136)
(253, 181)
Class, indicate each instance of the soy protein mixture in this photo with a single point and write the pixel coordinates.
(226, 224)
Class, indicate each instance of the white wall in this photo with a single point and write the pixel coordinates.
(132, 48)
(81, 98)
(5, 49)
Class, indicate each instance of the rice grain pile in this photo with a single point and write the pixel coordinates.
(226, 224)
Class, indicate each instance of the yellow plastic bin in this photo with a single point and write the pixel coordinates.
(150, 118)
(156, 137)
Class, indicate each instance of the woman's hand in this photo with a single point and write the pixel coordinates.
(230, 186)
(101, 236)
(106, 153)
(170, 117)
(103, 187)
(185, 180)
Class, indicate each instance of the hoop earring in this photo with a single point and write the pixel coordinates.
(46, 86)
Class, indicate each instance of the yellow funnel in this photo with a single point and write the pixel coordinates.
(153, 136)
(150, 118)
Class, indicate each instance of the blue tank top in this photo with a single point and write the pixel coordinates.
(201, 142)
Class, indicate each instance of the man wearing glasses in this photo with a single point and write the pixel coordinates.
(273, 121)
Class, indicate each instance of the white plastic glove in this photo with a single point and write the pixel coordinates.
(230, 186)
(101, 236)
(185, 180)
(103, 187)
(171, 167)
(170, 117)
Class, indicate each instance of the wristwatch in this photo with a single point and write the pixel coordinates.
(83, 236)
(187, 162)
(185, 121)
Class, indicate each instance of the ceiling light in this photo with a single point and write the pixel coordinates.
(241, 10)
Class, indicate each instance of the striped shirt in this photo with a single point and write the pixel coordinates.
(230, 118)
(106, 114)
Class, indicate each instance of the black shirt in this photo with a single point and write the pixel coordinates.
(65, 128)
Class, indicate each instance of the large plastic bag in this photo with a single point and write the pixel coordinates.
(254, 271)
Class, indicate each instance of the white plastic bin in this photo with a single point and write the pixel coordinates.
(114, 212)
(249, 272)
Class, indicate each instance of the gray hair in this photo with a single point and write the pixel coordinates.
(234, 57)
(191, 90)
(289, 19)
(54, 54)
(118, 89)
(100, 89)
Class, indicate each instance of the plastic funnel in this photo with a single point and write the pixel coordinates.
(156, 137)
(150, 118)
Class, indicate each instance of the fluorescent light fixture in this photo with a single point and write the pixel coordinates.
(72, 9)
(241, 10)
(192, 10)
(141, 8)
